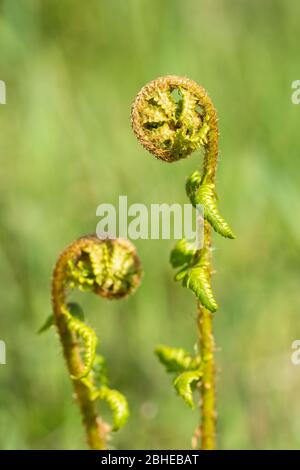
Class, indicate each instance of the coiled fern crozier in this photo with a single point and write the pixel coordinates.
(172, 117)
(111, 269)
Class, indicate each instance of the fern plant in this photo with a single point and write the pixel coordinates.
(111, 269)
(172, 117)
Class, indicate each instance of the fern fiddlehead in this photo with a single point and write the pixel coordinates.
(111, 269)
(172, 117)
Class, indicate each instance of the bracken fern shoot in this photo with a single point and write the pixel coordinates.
(111, 269)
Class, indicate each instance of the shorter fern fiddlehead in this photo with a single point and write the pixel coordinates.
(111, 269)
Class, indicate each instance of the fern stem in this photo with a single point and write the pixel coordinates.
(206, 343)
(96, 430)
(205, 317)
(208, 395)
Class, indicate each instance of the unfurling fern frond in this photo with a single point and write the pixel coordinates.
(97, 383)
(195, 273)
(99, 372)
(74, 309)
(172, 117)
(176, 359)
(182, 253)
(201, 193)
(171, 128)
(198, 280)
(89, 340)
(117, 403)
(184, 383)
(188, 370)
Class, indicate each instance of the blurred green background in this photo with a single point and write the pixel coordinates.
(72, 70)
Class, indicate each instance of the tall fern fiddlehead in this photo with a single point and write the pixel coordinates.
(172, 117)
(111, 269)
